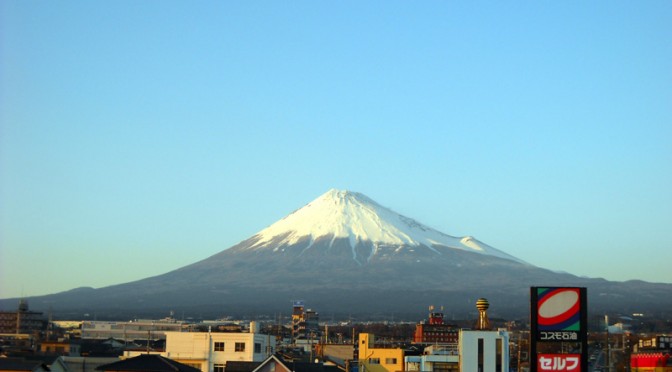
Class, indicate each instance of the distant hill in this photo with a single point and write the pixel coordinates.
(345, 254)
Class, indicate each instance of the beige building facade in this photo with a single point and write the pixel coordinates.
(210, 351)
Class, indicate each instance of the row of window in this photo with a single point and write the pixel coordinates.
(238, 347)
(450, 333)
(387, 360)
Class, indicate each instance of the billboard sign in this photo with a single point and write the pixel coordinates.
(559, 362)
(558, 314)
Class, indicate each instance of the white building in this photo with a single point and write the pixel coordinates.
(484, 351)
(210, 351)
(476, 351)
(440, 357)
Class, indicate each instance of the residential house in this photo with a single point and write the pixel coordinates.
(22, 365)
(147, 363)
(62, 347)
(275, 364)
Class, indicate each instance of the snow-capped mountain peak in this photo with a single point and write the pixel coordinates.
(356, 217)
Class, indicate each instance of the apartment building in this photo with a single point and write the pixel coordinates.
(210, 351)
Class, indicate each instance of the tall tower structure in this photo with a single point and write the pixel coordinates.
(312, 319)
(482, 305)
(298, 321)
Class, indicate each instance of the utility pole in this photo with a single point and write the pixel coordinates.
(520, 345)
(607, 362)
(311, 335)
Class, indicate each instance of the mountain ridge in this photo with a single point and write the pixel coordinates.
(371, 274)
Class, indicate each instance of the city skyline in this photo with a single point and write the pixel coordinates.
(137, 138)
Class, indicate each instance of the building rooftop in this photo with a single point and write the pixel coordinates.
(148, 363)
(18, 364)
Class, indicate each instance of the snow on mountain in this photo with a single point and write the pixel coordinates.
(354, 216)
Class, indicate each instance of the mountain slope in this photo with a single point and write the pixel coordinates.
(345, 254)
(339, 214)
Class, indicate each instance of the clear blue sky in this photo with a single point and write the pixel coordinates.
(140, 136)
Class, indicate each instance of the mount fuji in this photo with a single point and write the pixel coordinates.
(370, 231)
(345, 254)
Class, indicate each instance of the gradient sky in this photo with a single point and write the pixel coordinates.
(137, 137)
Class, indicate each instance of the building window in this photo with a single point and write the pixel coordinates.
(257, 348)
(480, 354)
(445, 367)
(390, 360)
(219, 346)
(219, 368)
(240, 346)
(374, 360)
(498, 361)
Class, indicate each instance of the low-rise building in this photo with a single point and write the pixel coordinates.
(210, 351)
(340, 353)
(62, 347)
(435, 330)
(22, 365)
(22, 321)
(145, 363)
(141, 329)
(373, 357)
(79, 364)
(442, 358)
(276, 364)
(652, 354)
